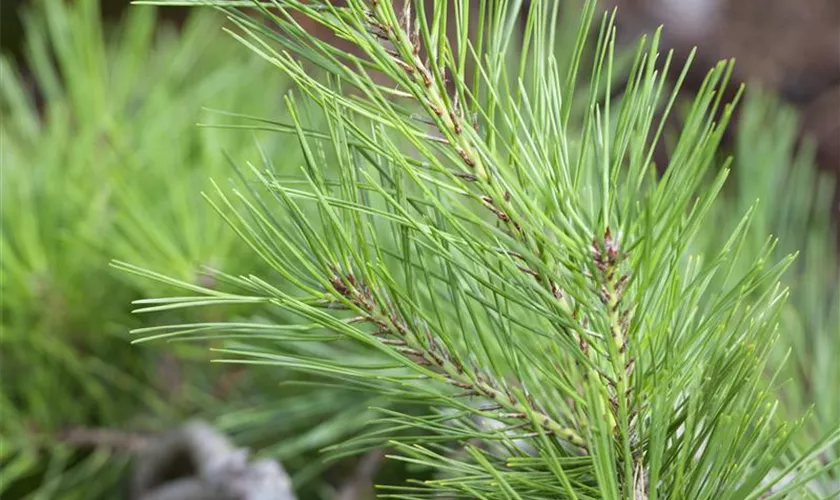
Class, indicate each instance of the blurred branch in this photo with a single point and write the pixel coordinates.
(360, 485)
(126, 442)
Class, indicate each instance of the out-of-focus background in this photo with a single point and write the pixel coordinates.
(792, 48)
(102, 159)
(789, 48)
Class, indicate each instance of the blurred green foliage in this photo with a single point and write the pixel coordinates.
(775, 175)
(108, 163)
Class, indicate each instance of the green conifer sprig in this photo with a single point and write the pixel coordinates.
(511, 261)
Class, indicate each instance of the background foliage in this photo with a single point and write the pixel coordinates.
(103, 159)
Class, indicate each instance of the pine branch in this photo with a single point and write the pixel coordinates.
(426, 350)
(509, 255)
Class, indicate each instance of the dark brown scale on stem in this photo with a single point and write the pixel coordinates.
(584, 345)
(455, 125)
(464, 156)
(467, 394)
(397, 58)
(415, 41)
(555, 290)
(462, 385)
(529, 272)
(410, 351)
(622, 282)
(427, 81)
(510, 396)
(454, 115)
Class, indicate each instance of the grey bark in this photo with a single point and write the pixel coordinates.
(196, 462)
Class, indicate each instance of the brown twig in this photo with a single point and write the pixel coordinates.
(126, 442)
